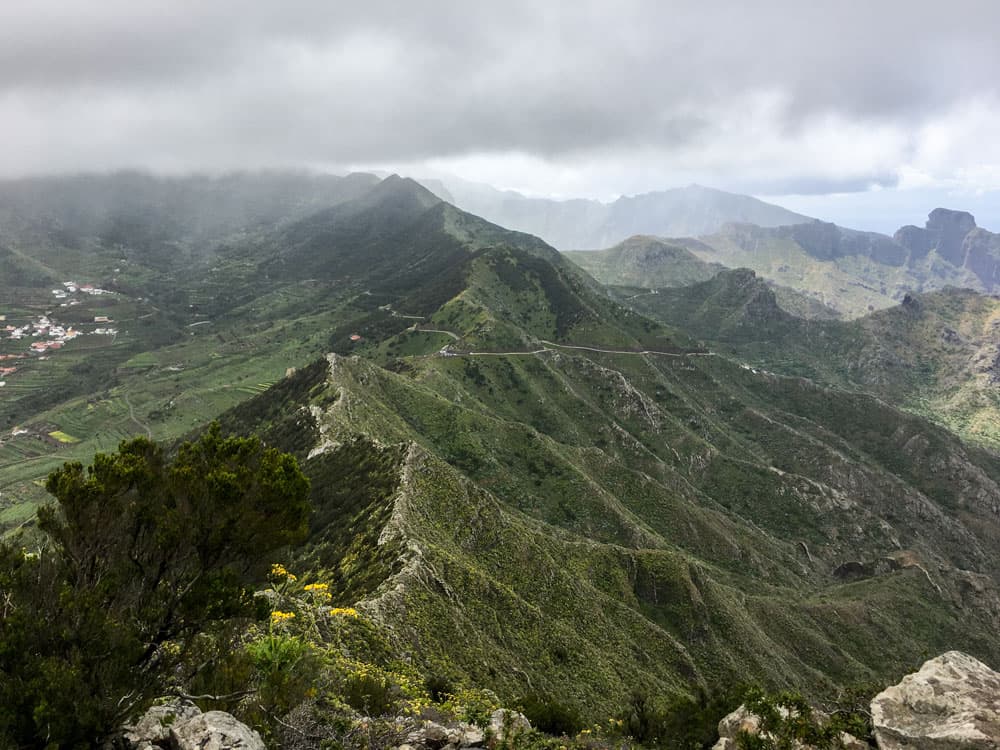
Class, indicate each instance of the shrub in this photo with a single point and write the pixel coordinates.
(146, 555)
(370, 693)
(550, 716)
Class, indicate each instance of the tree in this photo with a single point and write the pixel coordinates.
(148, 552)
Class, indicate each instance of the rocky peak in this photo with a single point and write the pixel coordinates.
(917, 240)
(948, 221)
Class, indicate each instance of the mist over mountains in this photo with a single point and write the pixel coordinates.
(590, 225)
(850, 271)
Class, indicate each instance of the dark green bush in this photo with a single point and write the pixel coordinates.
(438, 687)
(147, 555)
(371, 694)
(550, 716)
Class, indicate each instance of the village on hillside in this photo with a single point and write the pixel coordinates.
(47, 334)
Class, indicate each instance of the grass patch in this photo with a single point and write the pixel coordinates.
(63, 437)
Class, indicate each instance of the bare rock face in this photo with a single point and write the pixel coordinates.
(214, 730)
(154, 726)
(952, 703)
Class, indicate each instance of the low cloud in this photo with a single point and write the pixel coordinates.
(589, 99)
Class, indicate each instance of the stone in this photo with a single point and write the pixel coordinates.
(214, 730)
(505, 725)
(740, 720)
(434, 735)
(154, 726)
(952, 702)
(471, 735)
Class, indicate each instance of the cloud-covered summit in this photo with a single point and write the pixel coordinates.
(585, 98)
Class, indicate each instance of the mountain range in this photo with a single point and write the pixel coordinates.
(844, 271)
(589, 224)
(523, 478)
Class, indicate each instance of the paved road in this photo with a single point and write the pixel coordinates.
(551, 346)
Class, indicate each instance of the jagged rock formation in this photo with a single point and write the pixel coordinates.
(957, 239)
(215, 730)
(952, 702)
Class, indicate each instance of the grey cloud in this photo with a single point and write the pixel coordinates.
(815, 185)
(230, 84)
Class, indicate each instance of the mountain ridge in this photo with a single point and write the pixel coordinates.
(589, 224)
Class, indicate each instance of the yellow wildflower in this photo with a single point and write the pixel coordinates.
(278, 617)
(317, 586)
(344, 611)
(280, 571)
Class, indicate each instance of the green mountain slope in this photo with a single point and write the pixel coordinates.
(648, 263)
(857, 272)
(530, 487)
(642, 261)
(935, 354)
(581, 524)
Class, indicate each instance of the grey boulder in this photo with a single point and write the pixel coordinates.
(951, 703)
(214, 730)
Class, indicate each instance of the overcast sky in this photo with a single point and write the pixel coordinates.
(824, 105)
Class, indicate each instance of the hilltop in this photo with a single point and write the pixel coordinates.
(648, 263)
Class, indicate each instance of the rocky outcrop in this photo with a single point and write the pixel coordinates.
(828, 241)
(949, 229)
(981, 250)
(953, 702)
(731, 725)
(506, 725)
(215, 730)
(180, 725)
(917, 240)
(957, 239)
(434, 736)
(153, 729)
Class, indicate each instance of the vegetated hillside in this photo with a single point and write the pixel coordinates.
(935, 354)
(589, 224)
(576, 522)
(649, 263)
(857, 272)
(346, 278)
(529, 487)
(643, 261)
(579, 524)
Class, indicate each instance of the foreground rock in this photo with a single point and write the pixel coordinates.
(434, 736)
(952, 703)
(215, 730)
(153, 729)
(740, 720)
(180, 725)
